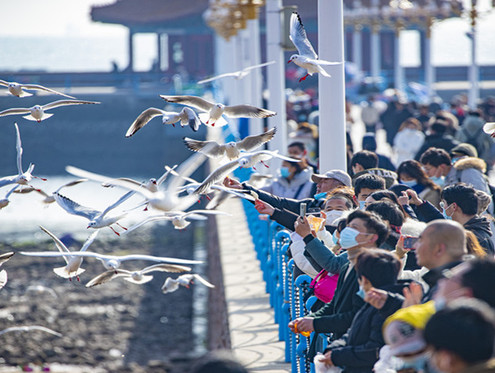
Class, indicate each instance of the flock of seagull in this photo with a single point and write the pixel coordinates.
(169, 197)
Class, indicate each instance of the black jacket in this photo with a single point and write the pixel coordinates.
(480, 226)
(445, 142)
(358, 350)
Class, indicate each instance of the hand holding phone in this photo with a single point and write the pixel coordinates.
(409, 242)
(302, 210)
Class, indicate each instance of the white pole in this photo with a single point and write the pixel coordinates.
(357, 55)
(254, 78)
(473, 72)
(276, 75)
(331, 91)
(375, 51)
(429, 69)
(398, 69)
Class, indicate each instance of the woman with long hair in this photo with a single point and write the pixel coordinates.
(412, 175)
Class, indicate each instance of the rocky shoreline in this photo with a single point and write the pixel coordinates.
(117, 326)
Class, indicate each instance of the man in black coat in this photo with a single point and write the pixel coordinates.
(358, 350)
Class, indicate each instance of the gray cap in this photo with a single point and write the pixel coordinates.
(339, 175)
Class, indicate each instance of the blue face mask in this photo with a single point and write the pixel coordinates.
(410, 184)
(417, 363)
(361, 292)
(440, 181)
(284, 172)
(444, 211)
(348, 238)
(362, 205)
(320, 195)
(335, 238)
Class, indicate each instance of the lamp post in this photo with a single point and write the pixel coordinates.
(474, 90)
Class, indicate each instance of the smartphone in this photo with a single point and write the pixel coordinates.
(302, 210)
(409, 242)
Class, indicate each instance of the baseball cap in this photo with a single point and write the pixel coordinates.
(403, 331)
(464, 149)
(339, 175)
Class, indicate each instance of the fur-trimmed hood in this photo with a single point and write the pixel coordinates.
(470, 162)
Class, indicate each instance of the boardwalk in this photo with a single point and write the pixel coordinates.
(253, 333)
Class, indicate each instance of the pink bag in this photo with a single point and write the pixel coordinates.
(324, 285)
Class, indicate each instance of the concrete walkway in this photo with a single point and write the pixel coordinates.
(253, 332)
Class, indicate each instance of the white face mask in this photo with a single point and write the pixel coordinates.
(332, 216)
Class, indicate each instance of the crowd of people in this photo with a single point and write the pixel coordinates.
(401, 250)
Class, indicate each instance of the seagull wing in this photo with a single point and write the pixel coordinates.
(3, 278)
(247, 111)
(59, 244)
(70, 183)
(29, 328)
(216, 175)
(252, 142)
(107, 276)
(41, 88)
(267, 154)
(118, 202)
(218, 77)
(19, 149)
(58, 103)
(14, 111)
(156, 259)
(6, 256)
(298, 36)
(147, 220)
(7, 180)
(194, 101)
(143, 119)
(259, 65)
(4, 83)
(215, 150)
(173, 268)
(191, 117)
(12, 191)
(203, 281)
(89, 240)
(75, 208)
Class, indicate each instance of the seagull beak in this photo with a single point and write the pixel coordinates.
(289, 61)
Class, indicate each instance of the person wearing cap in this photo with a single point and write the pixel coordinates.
(471, 132)
(470, 170)
(461, 337)
(403, 333)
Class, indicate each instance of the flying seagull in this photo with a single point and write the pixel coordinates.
(186, 117)
(231, 149)
(241, 74)
(213, 111)
(18, 89)
(170, 285)
(37, 112)
(306, 57)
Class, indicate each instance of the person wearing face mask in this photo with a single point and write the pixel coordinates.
(294, 181)
(365, 185)
(412, 175)
(363, 230)
(357, 350)
(461, 337)
(470, 170)
(408, 140)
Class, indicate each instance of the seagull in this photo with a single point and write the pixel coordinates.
(22, 178)
(489, 128)
(245, 161)
(73, 267)
(231, 149)
(30, 328)
(111, 261)
(96, 218)
(186, 116)
(214, 111)
(37, 112)
(170, 285)
(178, 218)
(306, 57)
(17, 89)
(50, 198)
(5, 201)
(3, 273)
(136, 277)
(241, 74)
(165, 198)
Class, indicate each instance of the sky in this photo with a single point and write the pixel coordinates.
(62, 18)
